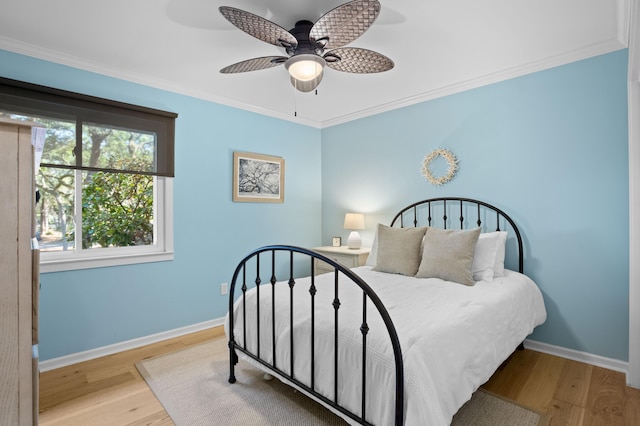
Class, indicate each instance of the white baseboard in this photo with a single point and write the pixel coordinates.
(63, 361)
(597, 360)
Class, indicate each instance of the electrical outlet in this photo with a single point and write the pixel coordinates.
(224, 288)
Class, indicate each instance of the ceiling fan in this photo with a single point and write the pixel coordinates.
(310, 46)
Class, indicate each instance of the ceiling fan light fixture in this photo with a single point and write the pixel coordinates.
(306, 86)
(305, 67)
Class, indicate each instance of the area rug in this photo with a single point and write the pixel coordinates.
(192, 385)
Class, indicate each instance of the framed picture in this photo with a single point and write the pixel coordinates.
(337, 241)
(258, 178)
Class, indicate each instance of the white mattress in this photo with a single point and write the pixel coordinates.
(453, 338)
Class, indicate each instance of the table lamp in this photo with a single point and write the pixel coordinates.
(354, 221)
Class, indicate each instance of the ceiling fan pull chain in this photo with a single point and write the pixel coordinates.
(295, 99)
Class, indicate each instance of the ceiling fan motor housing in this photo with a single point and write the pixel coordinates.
(305, 44)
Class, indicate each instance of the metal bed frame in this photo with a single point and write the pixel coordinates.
(421, 213)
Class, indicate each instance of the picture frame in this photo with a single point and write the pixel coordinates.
(336, 242)
(258, 178)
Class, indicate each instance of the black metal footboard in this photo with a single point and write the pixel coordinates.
(342, 276)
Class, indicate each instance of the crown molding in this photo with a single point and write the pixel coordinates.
(485, 80)
(619, 42)
(37, 52)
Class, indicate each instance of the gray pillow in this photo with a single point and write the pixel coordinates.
(448, 254)
(398, 249)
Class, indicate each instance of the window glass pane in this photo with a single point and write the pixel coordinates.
(120, 149)
(55, 225)
(117, 210)
(59, 142)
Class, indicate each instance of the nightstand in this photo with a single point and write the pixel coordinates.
(343, 255)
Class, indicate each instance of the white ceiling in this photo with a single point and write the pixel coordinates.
(438, 46)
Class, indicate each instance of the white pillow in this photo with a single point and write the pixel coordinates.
(498, 268)
(484, 259)
(373, 254)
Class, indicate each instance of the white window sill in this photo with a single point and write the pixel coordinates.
(74, 262)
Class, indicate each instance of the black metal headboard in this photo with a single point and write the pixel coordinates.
(446, 212)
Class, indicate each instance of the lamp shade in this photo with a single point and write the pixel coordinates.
(354, 221)
(305, 70)
(306, 86)
(305, 67)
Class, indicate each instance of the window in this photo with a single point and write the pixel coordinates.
(103, 177)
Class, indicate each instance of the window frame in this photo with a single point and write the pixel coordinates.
(161, 250)
(30, 99)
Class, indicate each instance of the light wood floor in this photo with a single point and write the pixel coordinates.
(109, 391)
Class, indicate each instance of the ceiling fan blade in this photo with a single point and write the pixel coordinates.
(254, 64)
(358, 61)
(258, 27)
(345, 23)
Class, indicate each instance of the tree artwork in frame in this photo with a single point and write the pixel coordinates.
(258, 178)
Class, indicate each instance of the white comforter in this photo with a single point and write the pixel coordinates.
(453, 338)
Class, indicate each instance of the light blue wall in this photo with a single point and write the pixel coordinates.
(549, 148)
(82, 310)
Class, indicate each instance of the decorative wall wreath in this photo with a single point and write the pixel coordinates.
(451, 161)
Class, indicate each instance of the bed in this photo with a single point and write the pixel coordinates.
(405, 339)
